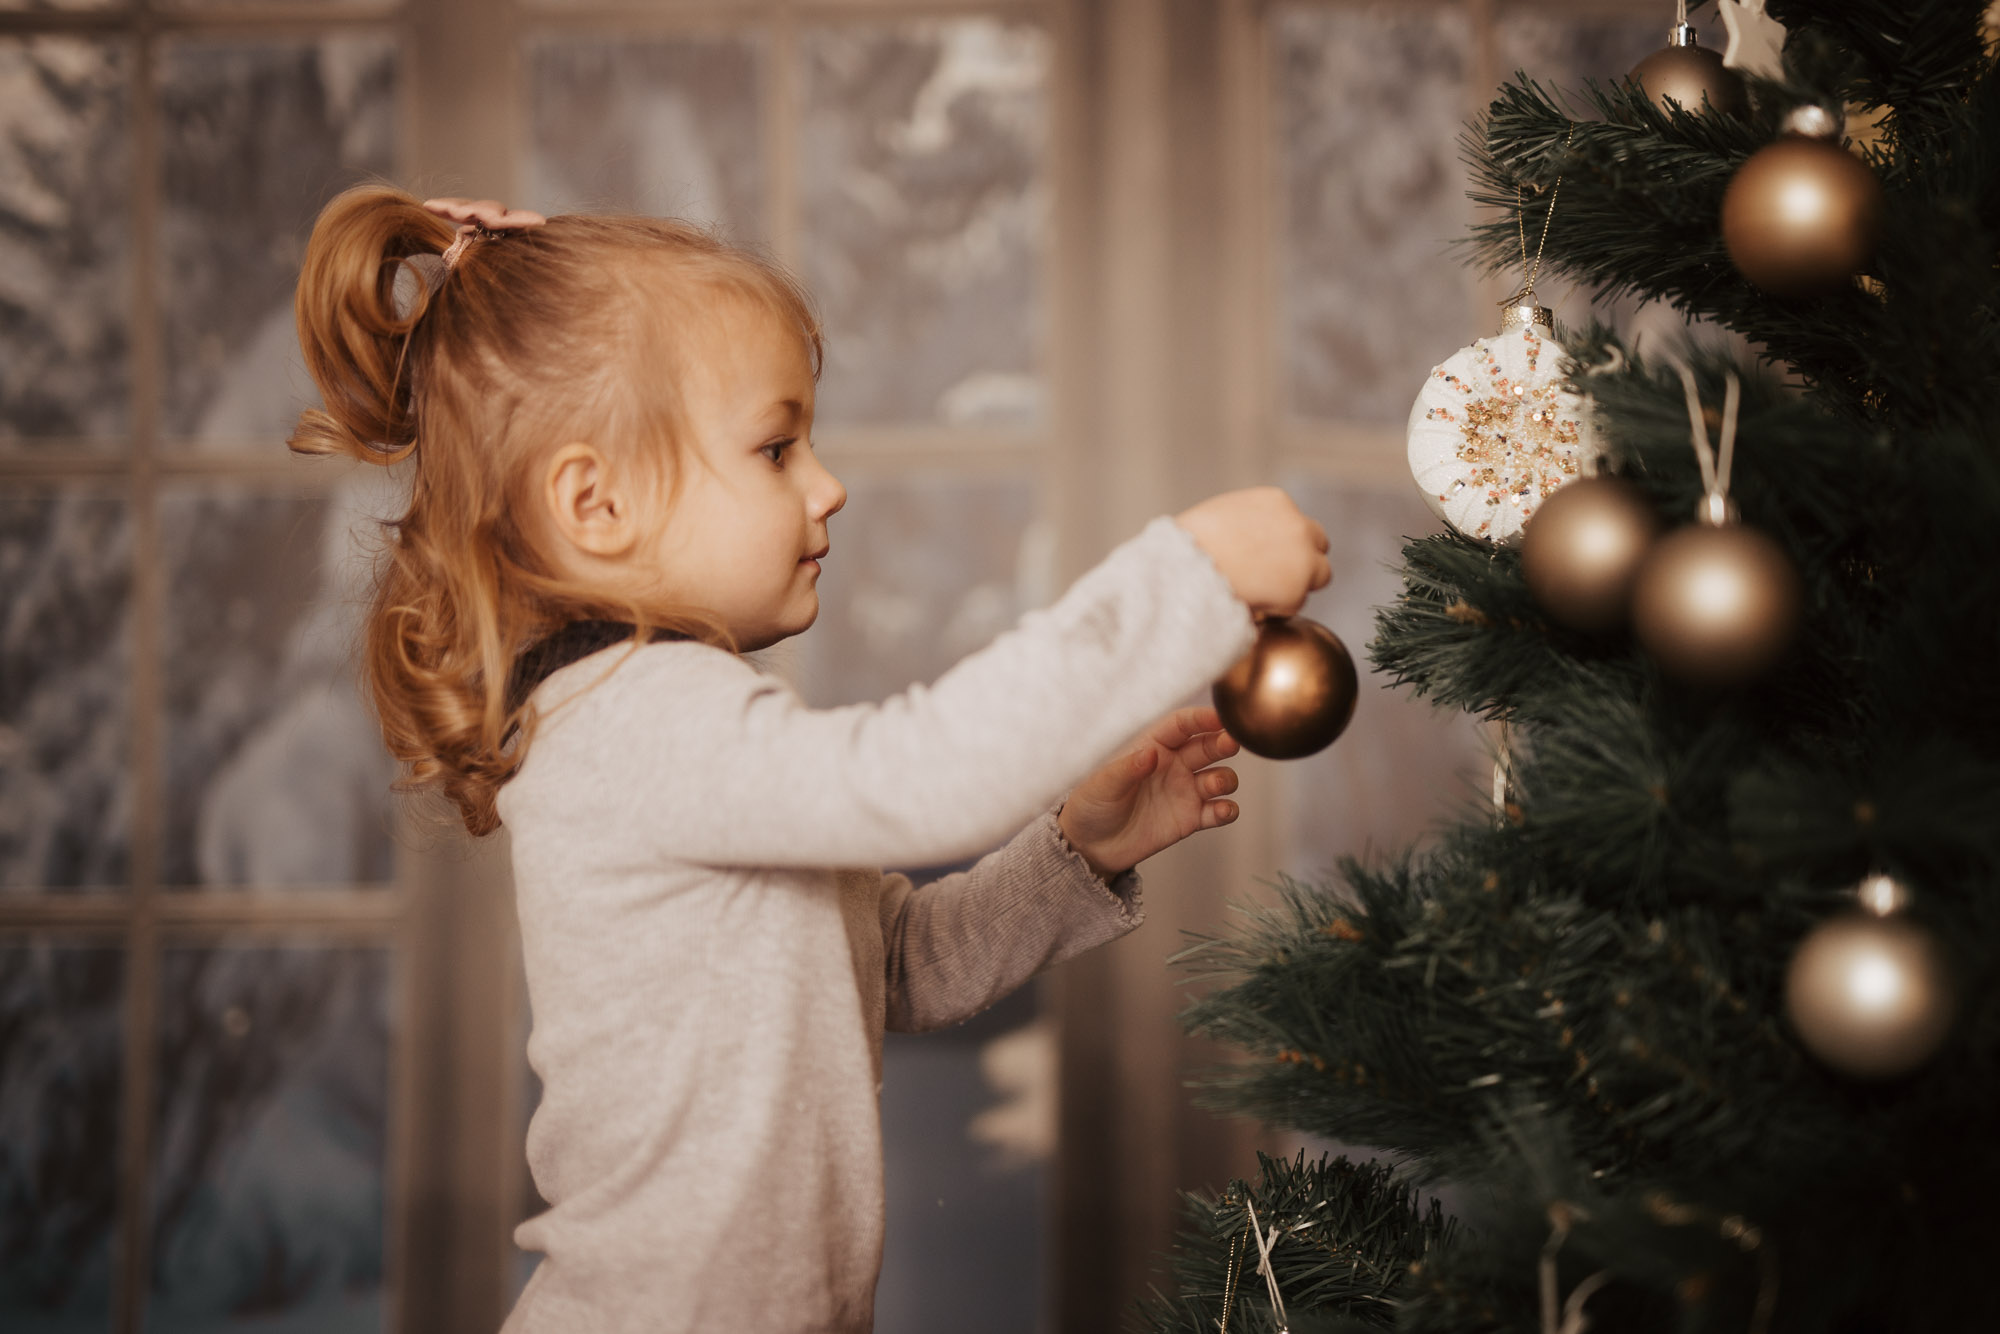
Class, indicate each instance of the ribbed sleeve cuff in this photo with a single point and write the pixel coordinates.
(1117, 899)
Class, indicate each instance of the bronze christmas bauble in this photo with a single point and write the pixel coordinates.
(1801, 216)
(1870, 995)
(1582, 549)
(1716, 605)
(1687, 74)
(1292, 693)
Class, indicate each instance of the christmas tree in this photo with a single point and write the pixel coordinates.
(1700, 1021)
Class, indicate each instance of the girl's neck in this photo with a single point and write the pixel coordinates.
(572, 643)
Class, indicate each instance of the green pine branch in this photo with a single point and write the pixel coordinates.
(1350, 1235)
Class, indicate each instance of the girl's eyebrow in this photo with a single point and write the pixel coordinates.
(788, 412)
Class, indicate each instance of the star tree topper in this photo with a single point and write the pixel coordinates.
(1756, 40)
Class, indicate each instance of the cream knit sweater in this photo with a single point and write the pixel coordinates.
(712, 959)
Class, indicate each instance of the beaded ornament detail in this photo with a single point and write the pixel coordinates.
(1494, 433)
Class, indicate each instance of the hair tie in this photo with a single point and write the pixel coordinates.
(479, 218)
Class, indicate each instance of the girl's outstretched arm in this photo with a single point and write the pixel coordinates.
(724, 765)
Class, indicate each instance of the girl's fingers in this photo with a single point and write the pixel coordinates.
(1207, 748)
(1174, 730)
(1216, 782)
(1219, 813)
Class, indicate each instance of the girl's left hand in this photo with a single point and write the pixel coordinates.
(1154, 796)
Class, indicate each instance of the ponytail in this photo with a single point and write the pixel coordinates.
(356, 343)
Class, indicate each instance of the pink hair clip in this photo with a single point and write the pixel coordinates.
(480, 217)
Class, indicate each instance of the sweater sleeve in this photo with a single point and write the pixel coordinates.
(957, 944)
(721, 764)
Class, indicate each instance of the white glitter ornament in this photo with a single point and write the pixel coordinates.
(1494, 431)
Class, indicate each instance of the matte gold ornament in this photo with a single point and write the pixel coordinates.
(1716, 604)
(1870, 993)
(1292, 693)
(1802, 214)
(1582, 551)
(1686, 72)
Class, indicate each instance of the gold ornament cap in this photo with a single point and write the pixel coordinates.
(1811, 120)
(1882, 895)
(1521, 311)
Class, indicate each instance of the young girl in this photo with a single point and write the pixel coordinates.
(614, 496)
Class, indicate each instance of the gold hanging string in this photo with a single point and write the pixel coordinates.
(1228, 1287)
(1530, 271)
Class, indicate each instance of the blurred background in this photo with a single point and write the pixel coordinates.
(1081, 262)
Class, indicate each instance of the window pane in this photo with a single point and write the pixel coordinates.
(62, 1035)
(1401, 766)
(923, 571)
(255, 135)
(667, 127)
(1370, 105)
(269, 1180)
(968, 1124)
(275, 769)
(924, 198)
(65, 689)
(43, 6)
(65, 239)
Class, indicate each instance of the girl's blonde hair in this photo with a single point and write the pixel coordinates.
(576, 329)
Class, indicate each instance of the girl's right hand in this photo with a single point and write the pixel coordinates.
(1269, 551)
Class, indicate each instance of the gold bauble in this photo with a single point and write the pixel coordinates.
(1687, 74)
(1582, 549)
(1716, 605)
(1870, 995)
(1292, 693)
(1801, 216)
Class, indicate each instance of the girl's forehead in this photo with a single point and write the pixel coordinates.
(739, 344)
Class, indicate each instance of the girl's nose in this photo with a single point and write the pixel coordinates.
(828, 494)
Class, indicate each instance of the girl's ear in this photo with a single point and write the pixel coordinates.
(586, 510)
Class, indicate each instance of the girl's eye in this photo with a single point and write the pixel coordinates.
(775, 451)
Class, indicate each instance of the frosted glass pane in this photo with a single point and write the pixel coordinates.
(924, 218)
(923, 571)
(255, 135)
(271, 1131)
(275, 769)
(65, 689)
(668, 127)
(62, 1035)
(44, 6)
(1563, 50)
(967, 1126)
(1401, 766)
(65, 239)
(1370, 103)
